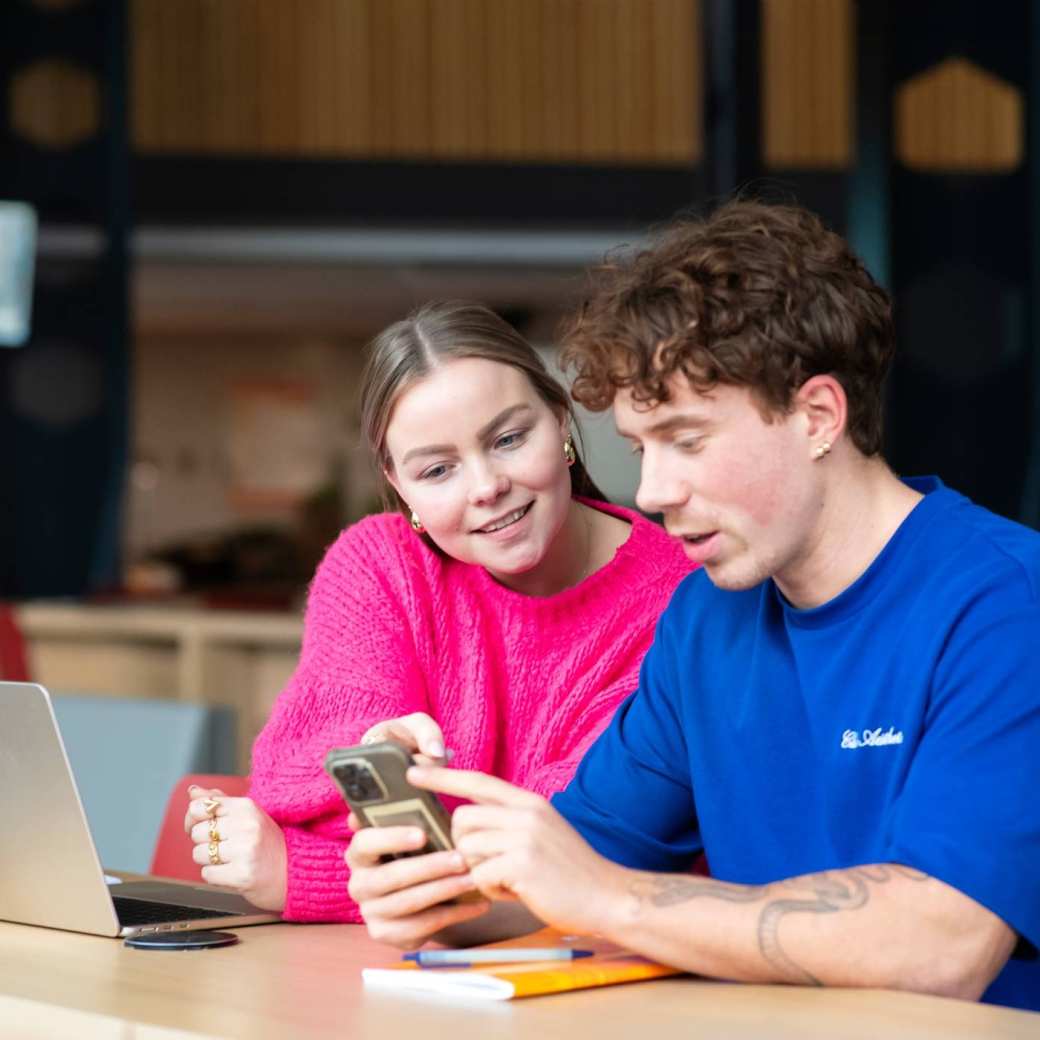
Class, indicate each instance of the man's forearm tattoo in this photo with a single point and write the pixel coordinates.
(824, 893)
(672, 889)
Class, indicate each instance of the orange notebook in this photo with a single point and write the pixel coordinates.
(608, 966)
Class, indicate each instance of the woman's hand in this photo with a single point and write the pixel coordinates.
(418, 732)
(403, 901)
(250, 846)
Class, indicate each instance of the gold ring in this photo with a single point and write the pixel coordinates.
(211, 805)
(214, 834)
(214, 854)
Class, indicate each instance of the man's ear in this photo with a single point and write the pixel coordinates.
(821, 399)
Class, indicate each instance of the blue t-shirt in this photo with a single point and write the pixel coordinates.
(897, 723)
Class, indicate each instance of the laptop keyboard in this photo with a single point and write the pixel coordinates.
(143, 911)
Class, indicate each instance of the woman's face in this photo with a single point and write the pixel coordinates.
(478, 455)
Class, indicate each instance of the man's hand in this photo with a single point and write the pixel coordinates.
(518, 847)
(882, 925)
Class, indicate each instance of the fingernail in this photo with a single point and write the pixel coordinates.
(457, 862)
(436, 749)
(417, 836)
(193, 787)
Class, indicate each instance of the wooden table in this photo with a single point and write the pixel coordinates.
(301, 981)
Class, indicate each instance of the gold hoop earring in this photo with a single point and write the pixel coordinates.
(822, 449)
(417, 525)
(568, 451)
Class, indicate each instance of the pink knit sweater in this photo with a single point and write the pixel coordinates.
(520, 685)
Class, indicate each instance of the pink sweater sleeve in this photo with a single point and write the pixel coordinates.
(358, 666)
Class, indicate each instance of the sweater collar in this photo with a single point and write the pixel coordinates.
(632, 560)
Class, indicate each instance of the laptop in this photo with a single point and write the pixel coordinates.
(50, 874)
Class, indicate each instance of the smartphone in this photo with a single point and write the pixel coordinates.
(372, 779)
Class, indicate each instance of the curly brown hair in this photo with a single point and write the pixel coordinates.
(756, 295)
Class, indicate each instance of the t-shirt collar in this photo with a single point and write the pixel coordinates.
(937, 499)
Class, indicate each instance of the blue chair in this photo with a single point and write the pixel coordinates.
(126, 756)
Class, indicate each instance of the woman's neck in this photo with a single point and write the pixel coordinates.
(586, 542)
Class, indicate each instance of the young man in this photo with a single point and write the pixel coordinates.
(842, 707)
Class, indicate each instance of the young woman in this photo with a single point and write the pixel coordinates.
(502, 613)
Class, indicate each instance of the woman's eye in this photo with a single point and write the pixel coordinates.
(511, 440)
(434, 472)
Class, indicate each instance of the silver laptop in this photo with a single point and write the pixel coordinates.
(50, 874)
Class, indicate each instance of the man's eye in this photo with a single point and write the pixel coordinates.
(637, 449)
(690, 445)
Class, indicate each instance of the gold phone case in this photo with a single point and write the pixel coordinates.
(372, 779)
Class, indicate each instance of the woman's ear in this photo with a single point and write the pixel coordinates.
(392, 481)
(564, 419)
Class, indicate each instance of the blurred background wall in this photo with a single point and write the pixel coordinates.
(235, 195)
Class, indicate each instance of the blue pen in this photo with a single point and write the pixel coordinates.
(504, 955)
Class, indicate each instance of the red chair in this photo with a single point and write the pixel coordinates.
(14, 664)
(172, 857)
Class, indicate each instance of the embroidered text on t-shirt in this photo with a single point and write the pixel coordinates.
(871, 737)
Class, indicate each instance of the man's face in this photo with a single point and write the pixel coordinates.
(740, 492)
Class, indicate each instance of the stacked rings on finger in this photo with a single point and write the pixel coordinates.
(212, 805)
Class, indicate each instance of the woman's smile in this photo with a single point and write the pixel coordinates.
(505, 523)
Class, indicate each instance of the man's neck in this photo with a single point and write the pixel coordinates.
(864, 505)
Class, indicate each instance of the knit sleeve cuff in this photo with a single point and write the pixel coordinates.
(316, 888)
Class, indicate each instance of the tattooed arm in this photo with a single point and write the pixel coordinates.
(882, 925)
